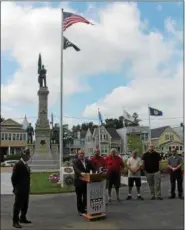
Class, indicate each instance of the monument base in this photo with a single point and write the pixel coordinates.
(31, 147)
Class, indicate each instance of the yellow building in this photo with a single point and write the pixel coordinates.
(13, 137)
(165, 138)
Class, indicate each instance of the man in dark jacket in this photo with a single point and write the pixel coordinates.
(21, 188)
(151, 163)
(175, 166)
(81, 165)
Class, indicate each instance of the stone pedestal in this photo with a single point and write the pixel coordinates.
(31, 148)
(43, 158)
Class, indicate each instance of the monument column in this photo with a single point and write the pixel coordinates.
(43, 157)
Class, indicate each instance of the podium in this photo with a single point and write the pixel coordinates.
(96, 189)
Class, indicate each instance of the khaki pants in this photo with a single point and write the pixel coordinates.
(154, 181)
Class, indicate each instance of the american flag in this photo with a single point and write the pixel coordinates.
(69, 19)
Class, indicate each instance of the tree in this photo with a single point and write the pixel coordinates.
(114, 123)
(134, 142)
(135, 122)
(1, 119)
(67, 136)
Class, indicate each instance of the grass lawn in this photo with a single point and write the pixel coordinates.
(40, 184)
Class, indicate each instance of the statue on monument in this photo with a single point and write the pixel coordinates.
(30, 133)
(55, 132)
(42, 73)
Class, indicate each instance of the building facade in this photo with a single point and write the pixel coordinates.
(13, 137)
(165, 138)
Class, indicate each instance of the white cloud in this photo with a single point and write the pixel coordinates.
(104, 48)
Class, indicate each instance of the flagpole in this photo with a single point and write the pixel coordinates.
(99, 132)
(61, 101)
(149, 122)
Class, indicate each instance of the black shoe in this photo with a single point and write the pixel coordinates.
(171, 197)
(181, 197)
(159, 198)
(153, 198)
(118, 199)
(25, 221)
(17, 225)
(140, 198)
(129, 197)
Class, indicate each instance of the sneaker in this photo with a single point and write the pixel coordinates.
(153, 198)
(140, 198)
(129, 197)
(159, 198)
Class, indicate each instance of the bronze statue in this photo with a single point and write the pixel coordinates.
(42, 73)
(30, 133)
(55, 132)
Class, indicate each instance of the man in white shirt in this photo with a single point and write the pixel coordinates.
(134, 164)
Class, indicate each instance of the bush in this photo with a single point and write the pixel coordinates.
(13, 157)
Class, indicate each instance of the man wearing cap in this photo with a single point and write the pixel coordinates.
(21, 188)
(175, 166)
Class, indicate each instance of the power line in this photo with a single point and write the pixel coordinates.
(95, 119)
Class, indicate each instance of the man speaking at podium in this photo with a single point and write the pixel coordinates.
(81, 165)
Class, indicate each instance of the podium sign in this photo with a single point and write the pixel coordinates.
(96, 197)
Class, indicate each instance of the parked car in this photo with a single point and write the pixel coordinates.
(9, 163)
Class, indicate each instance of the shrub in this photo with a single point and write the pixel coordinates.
(13, 157)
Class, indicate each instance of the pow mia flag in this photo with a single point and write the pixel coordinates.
(68, 44)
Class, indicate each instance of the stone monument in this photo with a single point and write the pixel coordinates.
(43, 158)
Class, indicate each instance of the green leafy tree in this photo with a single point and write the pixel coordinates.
(134, 142)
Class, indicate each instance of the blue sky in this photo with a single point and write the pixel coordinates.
(103, 82)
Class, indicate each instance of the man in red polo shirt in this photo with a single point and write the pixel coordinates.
(114, 165)
(97, 160)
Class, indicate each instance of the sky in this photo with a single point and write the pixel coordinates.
(131, 57)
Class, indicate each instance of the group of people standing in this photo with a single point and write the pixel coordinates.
(150, 162)
(114, 166)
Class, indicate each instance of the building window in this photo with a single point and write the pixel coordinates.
(2, 136)
(177, 147)
(6, 136)
(9, 136)
(167, 137)
(180, 148)
(14, 136)
(101, 137)
(170, 148)
(20, 136)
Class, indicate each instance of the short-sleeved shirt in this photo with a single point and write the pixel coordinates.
(174, 161)
(114, 164)
(98, 162)
(151, 161)
(133, 163)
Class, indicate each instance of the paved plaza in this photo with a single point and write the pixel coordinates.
(59, 212)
